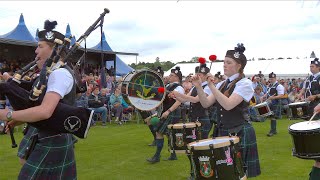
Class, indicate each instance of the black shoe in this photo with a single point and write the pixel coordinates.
(153, 143)
(153, 160)
(271, 134)
(171, 158)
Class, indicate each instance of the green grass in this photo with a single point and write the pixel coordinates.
(119, 152)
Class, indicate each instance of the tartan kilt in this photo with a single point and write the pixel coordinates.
(249, 149)
(275, 107)
(26, 141)
(52, 158)
(173, 118)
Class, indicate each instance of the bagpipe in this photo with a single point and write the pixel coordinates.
(26, 94)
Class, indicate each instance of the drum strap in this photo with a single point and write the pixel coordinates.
(233, 153)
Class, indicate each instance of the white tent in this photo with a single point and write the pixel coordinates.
(284, 68)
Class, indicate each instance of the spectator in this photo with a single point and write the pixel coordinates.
(95, 103)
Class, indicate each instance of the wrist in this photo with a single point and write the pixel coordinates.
(169, 110)
(9, 115)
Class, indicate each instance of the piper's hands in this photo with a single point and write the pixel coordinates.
(196, 81)
(311, 98)
(12, 124)
(210, 79)
(165, 115)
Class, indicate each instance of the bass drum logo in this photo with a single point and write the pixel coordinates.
(72, 124)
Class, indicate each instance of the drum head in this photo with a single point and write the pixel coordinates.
(261, 104)
(297, 103)
(217, 143)
(142, 89)
(305, 126)
(181, 125)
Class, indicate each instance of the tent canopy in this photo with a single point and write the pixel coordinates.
(20, 33)
(121, 67)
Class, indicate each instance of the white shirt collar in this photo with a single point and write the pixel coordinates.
(233, 77)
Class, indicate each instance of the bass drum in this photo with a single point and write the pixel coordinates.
(141, 89)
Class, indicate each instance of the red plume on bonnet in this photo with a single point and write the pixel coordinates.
(213, 57)
(202, 60)
(161, 90)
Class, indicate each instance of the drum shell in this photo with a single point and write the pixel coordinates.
(263, 109)
(298, 111)
(305, 143)
(180, 137)
(221, 162)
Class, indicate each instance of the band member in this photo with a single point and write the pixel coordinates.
(231, 97)
(53, 154)
(311, 87)
(218, 78)
(171, 114)
(315, 171)
(274, 96)
(197, 112)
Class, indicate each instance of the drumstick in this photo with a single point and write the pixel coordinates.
(314, 114)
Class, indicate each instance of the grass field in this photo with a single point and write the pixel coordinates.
(120, 152)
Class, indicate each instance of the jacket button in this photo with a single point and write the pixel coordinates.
(220, 109)
(221, 115)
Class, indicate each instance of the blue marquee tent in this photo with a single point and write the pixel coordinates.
(68, 34)
(20, 33)
(121, 67)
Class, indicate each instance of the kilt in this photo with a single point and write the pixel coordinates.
(26, 141)
(249, 149)
(52, 158)
(173, 118)
(275, 107)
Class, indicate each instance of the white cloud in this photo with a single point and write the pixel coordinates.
(179, 31)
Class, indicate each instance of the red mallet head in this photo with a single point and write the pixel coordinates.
(213, 57)
(161, 90)
(202, 60)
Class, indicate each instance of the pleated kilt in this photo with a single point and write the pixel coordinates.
(26, 141)
(276, 107)
(173, 118)
(52, 159)
(249, 149)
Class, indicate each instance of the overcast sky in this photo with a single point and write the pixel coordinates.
(176, 31)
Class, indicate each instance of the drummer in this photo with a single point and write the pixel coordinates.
(197, 112)
(315, 172)
(231, 97)
(311, 87)
(145, 115)
(171, 114)
(274, 97)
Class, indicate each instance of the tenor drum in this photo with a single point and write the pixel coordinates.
(305, 137)
(141, 89)
(217, 159)
(299, 110)
(181, 134)
(263, 109)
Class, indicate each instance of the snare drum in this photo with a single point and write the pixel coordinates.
(217, 158)
(181, 134)
(305, 137)
(298, 110)
(140, 89)
(263, 109)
